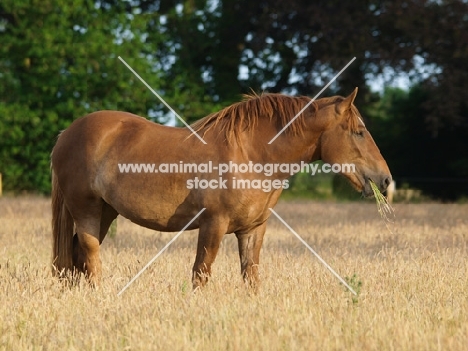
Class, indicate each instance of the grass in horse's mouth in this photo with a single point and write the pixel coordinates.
(385, 209)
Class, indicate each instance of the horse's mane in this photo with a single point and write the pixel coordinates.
(277, 108)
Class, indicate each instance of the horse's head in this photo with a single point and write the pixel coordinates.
(345, 140)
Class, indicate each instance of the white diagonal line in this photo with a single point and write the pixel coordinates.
(312, 250)
(162, 100)
(311, 101)
(160, 252)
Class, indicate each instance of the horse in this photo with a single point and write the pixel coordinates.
(89, 190)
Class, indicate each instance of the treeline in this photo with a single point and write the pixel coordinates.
(58, 61)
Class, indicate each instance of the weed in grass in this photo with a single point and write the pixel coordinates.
(184, 287)
(356, 284)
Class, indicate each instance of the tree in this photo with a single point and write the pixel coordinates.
(436, 164)
(58, 61)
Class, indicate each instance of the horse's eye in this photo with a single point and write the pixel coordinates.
(359, 133)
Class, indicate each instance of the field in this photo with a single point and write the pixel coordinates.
(412, 284)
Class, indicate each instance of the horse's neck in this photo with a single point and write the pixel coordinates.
(258, 145)
(285, 149)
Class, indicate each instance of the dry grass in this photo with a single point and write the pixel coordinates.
(414, 293)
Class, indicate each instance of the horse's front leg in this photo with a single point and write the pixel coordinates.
(209, 238)
(250, 245)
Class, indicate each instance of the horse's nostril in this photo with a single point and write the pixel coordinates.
(386, 182)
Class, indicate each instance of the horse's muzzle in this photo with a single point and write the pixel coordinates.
(382, 183)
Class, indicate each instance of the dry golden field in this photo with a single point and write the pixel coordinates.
(413, 285)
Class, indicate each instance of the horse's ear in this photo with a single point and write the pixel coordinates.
(345, 105)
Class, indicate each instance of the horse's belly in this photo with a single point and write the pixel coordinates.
(171, 225)
(165, 218)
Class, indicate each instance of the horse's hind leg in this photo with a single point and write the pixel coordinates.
(108, 214)
(86, 255)
(249, 253)
(86, 242)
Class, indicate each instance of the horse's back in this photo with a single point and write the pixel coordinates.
(98, 124)
(100, 131)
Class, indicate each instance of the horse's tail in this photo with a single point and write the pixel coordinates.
(62, 232)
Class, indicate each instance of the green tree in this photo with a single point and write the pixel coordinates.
(435, 163)
(59, 61)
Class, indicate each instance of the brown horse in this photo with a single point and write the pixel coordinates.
(89, 189)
